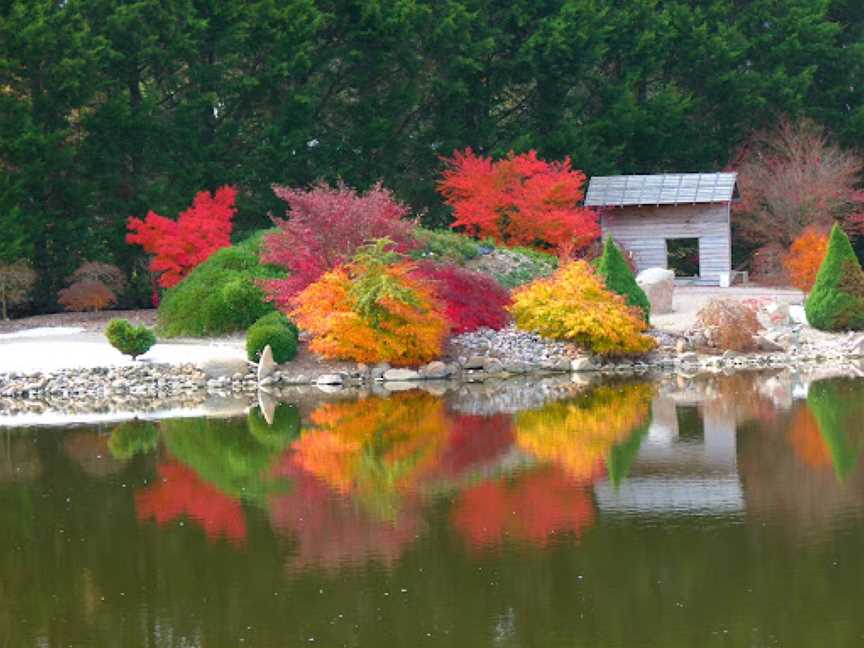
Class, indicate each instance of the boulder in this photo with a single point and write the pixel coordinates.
(401, 375)
(266, 365)
(474, 363)
(659, 286)
(582, 363)
(436, 370)
(329, 379)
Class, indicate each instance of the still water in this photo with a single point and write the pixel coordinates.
(720, 513)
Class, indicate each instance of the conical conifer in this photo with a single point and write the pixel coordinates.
(619, 279)
(836, 302)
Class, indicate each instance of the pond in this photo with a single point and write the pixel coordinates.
(725, 512)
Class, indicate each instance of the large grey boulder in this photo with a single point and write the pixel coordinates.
(659, 286)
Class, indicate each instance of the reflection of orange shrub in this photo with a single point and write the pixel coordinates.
(804, 258)
(807, 441)
(578, 434)
(374, 447)
(533, 508)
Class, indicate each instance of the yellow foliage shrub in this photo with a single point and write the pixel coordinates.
(578, 434)
(574, 305)
(402, 324)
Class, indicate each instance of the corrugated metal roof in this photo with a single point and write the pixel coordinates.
(665, 189)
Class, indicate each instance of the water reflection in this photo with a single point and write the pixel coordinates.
(694, 506)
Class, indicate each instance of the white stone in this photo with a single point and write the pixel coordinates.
(659, 286)
(266, 365)
(435, 370)
(329, 379)
(401, 375)
(582, 363)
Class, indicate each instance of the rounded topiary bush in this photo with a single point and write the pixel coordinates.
(619, 278)
(278, 318)
(836, 302)
(219, 296)
(281, 338)
(128, 339)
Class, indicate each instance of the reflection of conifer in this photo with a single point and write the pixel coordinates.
(622, 455)
(838, 406)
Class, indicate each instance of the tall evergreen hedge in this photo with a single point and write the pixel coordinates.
(836, 302)
(618, 277)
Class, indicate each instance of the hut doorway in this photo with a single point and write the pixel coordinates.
(682, 256)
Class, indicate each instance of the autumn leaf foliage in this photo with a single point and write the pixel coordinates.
(86, 295)
(471, 300)
(519, 200)
(804, 258)
(325, 228)
(574, 305)
(179, 246)
(374, 309)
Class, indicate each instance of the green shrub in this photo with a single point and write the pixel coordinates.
(278, 318)
(619, 279)
(128, 339)
(445, 245)
(836, 301)
(220, 295)
(281, 337)
(279, 435)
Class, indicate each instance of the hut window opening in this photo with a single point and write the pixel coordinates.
(682, 256)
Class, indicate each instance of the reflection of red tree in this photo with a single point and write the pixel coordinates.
(532, 508)
(330, 528)
(474, 441)
(181, 492)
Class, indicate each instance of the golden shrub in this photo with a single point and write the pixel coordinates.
(573, 304)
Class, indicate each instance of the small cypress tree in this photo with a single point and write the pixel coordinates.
(836, 301)
(619, 279)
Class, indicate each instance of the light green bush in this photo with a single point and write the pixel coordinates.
(445, 245)
(281, 337)
(128, 339)
(836, 301)
(619, 279)
(220, 295)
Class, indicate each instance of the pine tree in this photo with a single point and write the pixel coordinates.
(618, 277)
(837, 299)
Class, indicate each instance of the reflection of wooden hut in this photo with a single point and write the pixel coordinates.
(679, 221)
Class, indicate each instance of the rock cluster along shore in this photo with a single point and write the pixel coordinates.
(476, 357)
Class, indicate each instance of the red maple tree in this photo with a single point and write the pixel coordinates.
(326, 226)
(178, 246)
(519, 200)
(471, 300)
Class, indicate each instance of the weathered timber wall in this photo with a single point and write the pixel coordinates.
(644, 231)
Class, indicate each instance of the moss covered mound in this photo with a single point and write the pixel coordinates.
(220, 295)
(836, 302)
(619, 278)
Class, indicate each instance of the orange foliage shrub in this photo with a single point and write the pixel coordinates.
(86, 295)
(369, 311)
(804, 258)
(729, 324)
(578, 434)
(573, 304)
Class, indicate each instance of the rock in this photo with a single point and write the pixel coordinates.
(582, 363)
(330, 379)
(493, 365)
(220, 367)
(436, 370)
(688, 358)
(474, 363)
(266, 365)
(377, 372)
(856, 347)
(515, 367)
(401, 375)
(772, 313)
(681, 346)
(765, 343)
(659, 286)
(557, 364)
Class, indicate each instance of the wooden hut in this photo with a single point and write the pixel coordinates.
(679, 221)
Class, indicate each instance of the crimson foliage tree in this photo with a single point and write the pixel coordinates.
(178, 246)
(471, 300)
(326, 226)
(519, 200)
